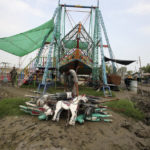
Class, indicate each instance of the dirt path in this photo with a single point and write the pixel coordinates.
(124, 94)
(9, 92)
(28, 133)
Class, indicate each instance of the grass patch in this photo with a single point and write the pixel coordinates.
(82, 90)
(29, 86)
(60, 88)
(89, 91)
(127, 108)
(10, 106)
(54, 90)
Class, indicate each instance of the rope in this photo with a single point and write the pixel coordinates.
(86, 19)
(69, 19)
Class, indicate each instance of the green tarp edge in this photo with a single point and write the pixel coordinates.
(26, 42)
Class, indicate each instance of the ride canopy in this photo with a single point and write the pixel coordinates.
(26, 42)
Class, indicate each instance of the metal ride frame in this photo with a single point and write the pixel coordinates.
(96, 27)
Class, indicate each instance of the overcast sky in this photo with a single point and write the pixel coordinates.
(127, 23)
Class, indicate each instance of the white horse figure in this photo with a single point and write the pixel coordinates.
(73, 106)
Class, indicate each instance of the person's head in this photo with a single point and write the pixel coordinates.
(14, 68)
(129, 77)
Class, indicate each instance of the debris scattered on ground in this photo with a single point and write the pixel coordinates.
(83, 108)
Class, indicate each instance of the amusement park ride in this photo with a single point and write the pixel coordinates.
(79, 49)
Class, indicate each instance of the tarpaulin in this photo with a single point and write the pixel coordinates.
(26, 42)
(122, 62)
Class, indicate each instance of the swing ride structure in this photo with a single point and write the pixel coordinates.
(79, 49)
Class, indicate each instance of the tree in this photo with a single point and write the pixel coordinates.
(146, 69)
(121, 71)
(129, 72)
(108, 69)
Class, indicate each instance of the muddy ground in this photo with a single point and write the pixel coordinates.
(28, 133)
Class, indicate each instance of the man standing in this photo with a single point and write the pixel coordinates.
(127, 82)
(13, 75)
(71, 82)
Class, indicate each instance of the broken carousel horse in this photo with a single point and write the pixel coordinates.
(72, 106)
(43, 112)
(94, 111)
(41, 100)
(44, 106)
(51, 100)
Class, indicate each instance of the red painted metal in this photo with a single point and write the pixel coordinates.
(106, 46)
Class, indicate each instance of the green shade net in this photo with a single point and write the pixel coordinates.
(26, 42)
(70, 44)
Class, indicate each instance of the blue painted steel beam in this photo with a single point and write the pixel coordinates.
(101, 48)
(95, 70)
(107, 40)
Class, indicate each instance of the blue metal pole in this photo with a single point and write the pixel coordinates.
(95, 70)
(58, 35)
(107, 40)
(101, 48)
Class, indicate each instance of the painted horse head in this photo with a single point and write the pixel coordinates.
(81, 98)
(84, 98)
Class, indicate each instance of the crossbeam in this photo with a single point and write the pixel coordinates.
(78, 6)
(78, 11)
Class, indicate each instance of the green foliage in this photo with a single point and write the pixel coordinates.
(108, 69)
(30, 86)
(10, 106)
(92, 92)
(146, 68)
(129, 72)
(126, 107)
(122, 70)
(55, 90)
(82, 90)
